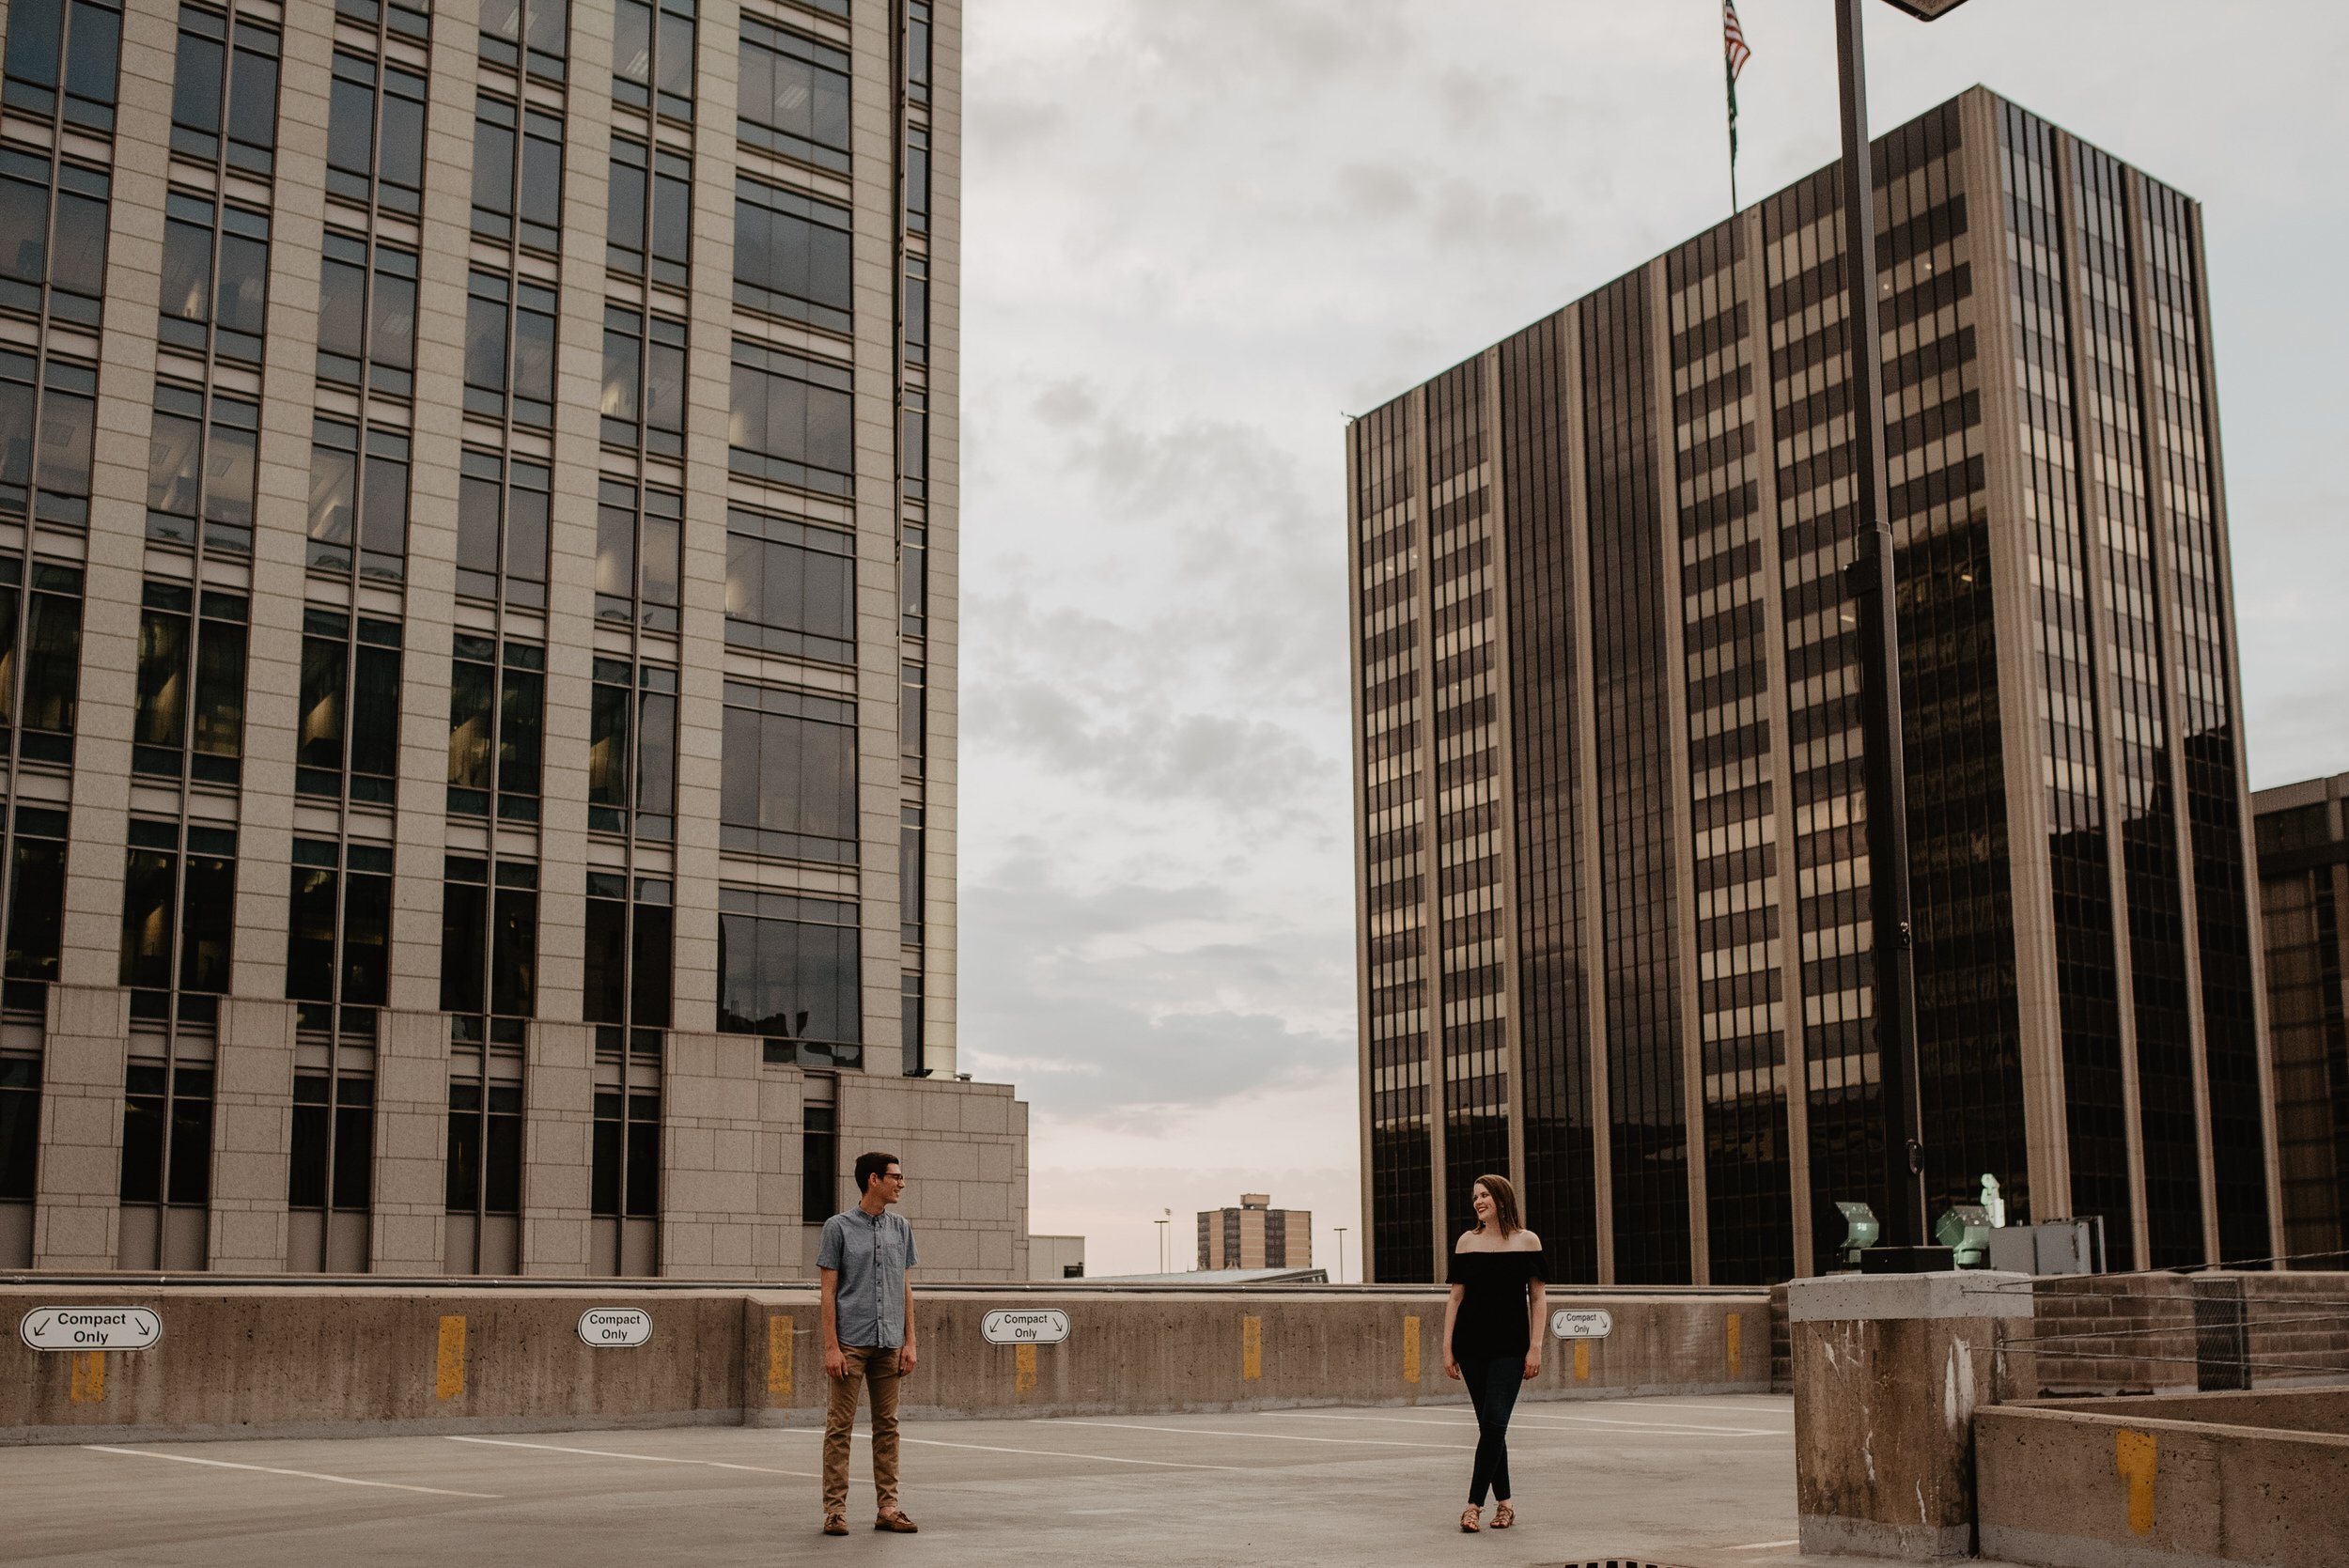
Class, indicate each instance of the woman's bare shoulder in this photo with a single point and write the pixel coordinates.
(1470, 1240)
(1525, 1241)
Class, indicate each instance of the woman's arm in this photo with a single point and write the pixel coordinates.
(1451, 1312)
(1537, 1308)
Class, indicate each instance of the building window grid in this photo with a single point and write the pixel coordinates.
(504, 511)
(63, 56)
(167, 1161)
(65, 236)
(1401, 1135)
(375, 121)
(188, 722)
(35, 849)
(1804, 271)
(517, 175)
(41, 654)
(496, 727)
(638, 536)
(348, 739)
(488, 950)
(1647, 1109)
(2212, 784)
(533, 35)
(368, 315)
(794, 96)
(331, 1168)
(224, 107)
(648, 230)
(1749, 1184)
(643, 383)
(179, 919)
(1968, 1018)
(629, 954)
(48, 433)
(338, 939)
(1543, 613)
(653, 57)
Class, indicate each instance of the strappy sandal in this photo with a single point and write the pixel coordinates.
(1468, 1520)
(1503, 1517)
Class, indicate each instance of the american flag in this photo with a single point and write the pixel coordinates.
(1735, 54)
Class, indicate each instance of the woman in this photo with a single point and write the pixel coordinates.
(1493, 1334)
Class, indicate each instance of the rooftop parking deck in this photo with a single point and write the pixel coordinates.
(1704, 1482)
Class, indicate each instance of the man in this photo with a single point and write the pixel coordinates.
(865, 1314)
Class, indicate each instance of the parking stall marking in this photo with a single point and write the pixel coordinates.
(1052, 1453)
(644, 1458)
(1525, 1416)
(1272, 1436)
(302, 1475)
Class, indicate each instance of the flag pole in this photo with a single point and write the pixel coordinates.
(1734, 56)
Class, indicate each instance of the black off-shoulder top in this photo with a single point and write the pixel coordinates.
(1491, 1323)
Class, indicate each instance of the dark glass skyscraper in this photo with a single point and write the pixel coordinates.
(1613, 871)
(2304, 894)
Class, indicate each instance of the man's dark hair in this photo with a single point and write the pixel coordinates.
(871, 1165)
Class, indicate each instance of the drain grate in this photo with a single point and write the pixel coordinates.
(1617, 1563)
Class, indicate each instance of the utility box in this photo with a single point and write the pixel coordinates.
(2050, 1246)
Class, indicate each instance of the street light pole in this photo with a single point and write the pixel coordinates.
(1870, 579)
(1161, 1225)
(1341, 1254)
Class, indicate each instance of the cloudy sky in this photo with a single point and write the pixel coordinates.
(1199, 232)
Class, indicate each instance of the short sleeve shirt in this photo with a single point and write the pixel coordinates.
(871, 1253)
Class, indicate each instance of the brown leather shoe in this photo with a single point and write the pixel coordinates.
(835, 1523)
(896, 1524)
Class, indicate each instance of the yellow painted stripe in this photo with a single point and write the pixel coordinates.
(1581, 1360)
(1737, 1326)
(449, 1380)
(778, 1357)
(1410, 1349)
(1250, 1349)
(2135, 1456)
(1023, 1369)
(89, 1377)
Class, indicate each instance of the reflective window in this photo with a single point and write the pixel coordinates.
(215, 286)
(496, 727)
(225, 91)
(62, 55)
(790, 587)
(535, 31)
(791, 420)
(338, 934)
(489, 939)
(334, 1142)
(631, 750)
(191, 684)
(652, 56)
(348, 721)
(178, 917)
(40, 656)
(643, 381)
(368, 315)
(517, 175)
(791, 254)
(637, 540)
(52, 232)
(358, 503)
(510, 349)
(787, 968)
(48, 425)
(200, 469)
(650, 212)
(794, 95)
(502, 513)
(375, 134)
(36, 904)
(788, 777)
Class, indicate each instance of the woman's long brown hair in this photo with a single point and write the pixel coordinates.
(1504, 1203)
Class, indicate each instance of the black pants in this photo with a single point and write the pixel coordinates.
(1492, 1388)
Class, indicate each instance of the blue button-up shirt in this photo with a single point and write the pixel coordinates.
(871, 1253)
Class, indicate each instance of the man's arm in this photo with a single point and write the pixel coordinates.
(828, 1321)
(905, 1356)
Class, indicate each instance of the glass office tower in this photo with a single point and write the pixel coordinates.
(1612, 858)
(2304, 894)
(477, 633)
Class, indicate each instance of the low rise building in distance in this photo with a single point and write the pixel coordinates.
(1056, 1257)
(1255, 1236)
(2304, 916)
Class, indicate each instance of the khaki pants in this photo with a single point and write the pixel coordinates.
(877, 1366)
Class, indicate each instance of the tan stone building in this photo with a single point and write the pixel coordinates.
(478, 539)
(1255, 1236)
(1615, 923)
(2304, 895)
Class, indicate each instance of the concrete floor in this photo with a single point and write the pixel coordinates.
(1694, 1483)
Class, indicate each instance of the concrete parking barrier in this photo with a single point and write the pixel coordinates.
(290, 1361)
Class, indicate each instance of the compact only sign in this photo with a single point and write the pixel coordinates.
(90, 1328)
(1581, 1323)
(1036, 1326)
(616, 1328)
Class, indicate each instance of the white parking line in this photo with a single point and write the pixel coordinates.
(1273, 1437)
(1529, 1416)
(646, 1458)
(1787, 1409)
(300, 1475)
(1059, 1453)
(1762, 1546)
